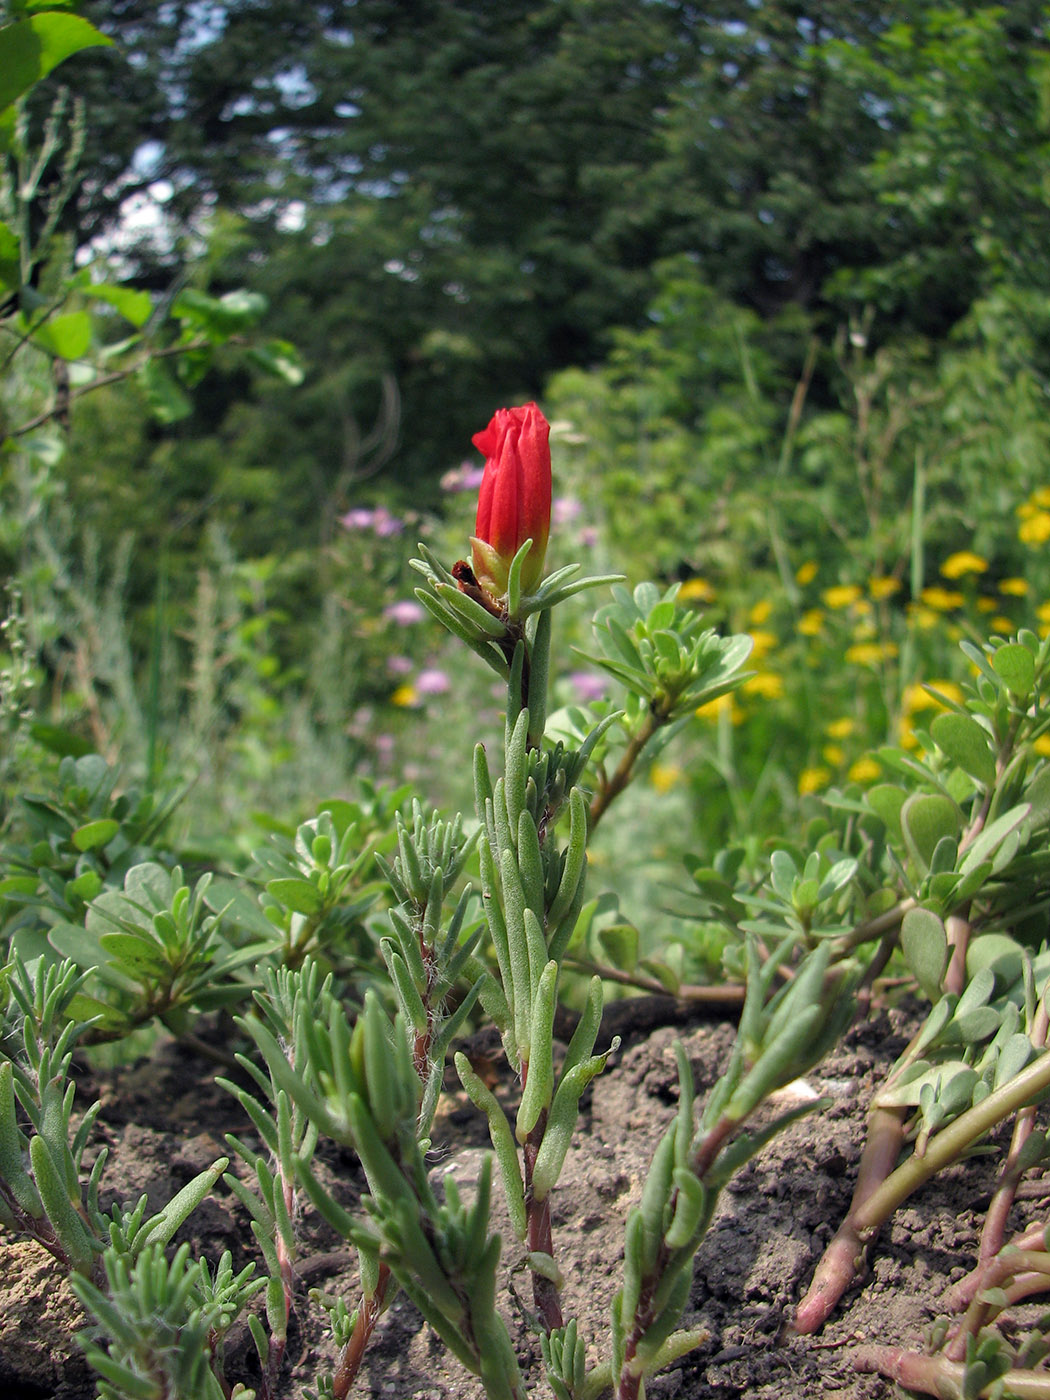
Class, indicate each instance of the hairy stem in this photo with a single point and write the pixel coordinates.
(539, 1236)
(368, 1314)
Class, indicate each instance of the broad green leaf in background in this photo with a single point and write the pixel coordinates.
(10, 266)
(167, 400)
(133, 305)
(66, 337)
(30, 49)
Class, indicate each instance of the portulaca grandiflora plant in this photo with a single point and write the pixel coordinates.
(942, 871)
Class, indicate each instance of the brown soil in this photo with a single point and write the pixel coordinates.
(165, 1120)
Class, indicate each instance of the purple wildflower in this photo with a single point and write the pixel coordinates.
(404, 612)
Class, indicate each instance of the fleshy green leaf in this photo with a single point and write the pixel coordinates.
(924, 944)
(967, 744)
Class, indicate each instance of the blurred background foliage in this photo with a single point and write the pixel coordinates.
(778, 273)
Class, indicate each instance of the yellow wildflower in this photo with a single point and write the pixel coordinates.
(840, 728)
(923, 618)
(767, 684)
(1002, 626)
(665, 776)
(405, 696)
(1014, 587)
(865, 770)
(696, 590)
(763, 643)
(963, 563)
(986, 605)
(760, 612)
(843, 595)
(1042, 612)
(1036, 529)
(870, 653)
(918, 697)
(831, 753)
(812, 780)
(806, 572)
(724, 705)
(883, 587)
(811, 622)
(1041, 497)
(941, 599)
(1042, 745)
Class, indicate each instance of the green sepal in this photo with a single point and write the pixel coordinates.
(551, 592)
(485, 624)
(455, 624)
(514, 579)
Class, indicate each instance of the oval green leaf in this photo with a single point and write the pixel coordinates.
(92, 835)
(968, 745)
(924, 944)
(1014, 664)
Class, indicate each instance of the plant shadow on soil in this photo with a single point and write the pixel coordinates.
(164, 1120)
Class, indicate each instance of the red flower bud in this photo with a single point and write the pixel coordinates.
(514, 503)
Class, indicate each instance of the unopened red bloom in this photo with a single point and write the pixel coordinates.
(514, 503)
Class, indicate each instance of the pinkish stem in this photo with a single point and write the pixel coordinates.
(368, 1314)
(958, 930)
(844, 1256)
(935, 1375)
